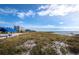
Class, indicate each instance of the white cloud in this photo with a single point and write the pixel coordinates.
(8, 11)
(61, 23)
(57, 10)
(52, 28)
(22, 15)
(43, 7)
(69, 29)
(30, 13)
(40, 26)
(19, 23)
(3, 22)
(12, 23)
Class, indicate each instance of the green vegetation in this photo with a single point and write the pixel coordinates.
(73, 43)
(43, 41)
(38, 50)
(63, 50)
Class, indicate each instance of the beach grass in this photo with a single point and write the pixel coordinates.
(14, 45)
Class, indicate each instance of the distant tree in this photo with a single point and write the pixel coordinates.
(28, 30)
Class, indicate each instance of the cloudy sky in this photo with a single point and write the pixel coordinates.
(40, 17)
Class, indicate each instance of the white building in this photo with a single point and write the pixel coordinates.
(19, 28)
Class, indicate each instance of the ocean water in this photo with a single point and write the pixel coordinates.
(69, 33)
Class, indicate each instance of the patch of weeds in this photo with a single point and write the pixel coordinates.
(63, 50)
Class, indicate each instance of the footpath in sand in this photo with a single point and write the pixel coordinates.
(2, 36)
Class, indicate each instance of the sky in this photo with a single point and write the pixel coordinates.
(41, 17)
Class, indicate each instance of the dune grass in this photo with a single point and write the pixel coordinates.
(12, 46)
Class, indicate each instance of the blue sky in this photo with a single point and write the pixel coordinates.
(40, 17)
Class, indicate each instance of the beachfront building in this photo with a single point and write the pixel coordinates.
(19, 28)
(7, 30)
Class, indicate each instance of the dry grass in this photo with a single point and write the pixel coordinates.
(9, 45)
